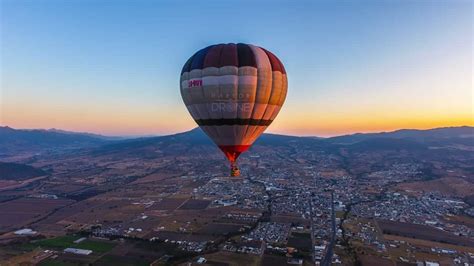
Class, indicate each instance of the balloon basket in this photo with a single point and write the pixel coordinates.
(234, 170)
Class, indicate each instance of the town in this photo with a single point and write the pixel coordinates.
(306, 205)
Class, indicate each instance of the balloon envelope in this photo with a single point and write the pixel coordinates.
(233, 92)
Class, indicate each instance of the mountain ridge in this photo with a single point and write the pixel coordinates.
(119, 137)
(40, 141)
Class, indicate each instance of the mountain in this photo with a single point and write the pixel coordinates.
(196, 141)
(86, 134)
(16, 141)
(381, 144)
(193, 139)
(142, 146)
(461, 135)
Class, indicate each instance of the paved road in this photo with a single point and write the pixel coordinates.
(328, 257)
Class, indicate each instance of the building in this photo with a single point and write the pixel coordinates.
(25, 232)
(78, 251)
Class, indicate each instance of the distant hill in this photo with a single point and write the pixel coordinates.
(15, 171)
(13, 141)
(380, 144)
(194, 139)
(461, 135)
(37, 140)
(97, 136)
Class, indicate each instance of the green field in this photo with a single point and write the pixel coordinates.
(50, 262)
(121, 261)
(63, 242)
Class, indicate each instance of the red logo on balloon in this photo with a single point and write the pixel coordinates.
(194, 83)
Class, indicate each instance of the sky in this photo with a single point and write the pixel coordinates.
(112, 67)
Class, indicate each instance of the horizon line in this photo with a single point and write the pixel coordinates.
(65, 131)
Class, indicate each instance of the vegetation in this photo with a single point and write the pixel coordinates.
(121, 261)
(51, 262)
(63, 242)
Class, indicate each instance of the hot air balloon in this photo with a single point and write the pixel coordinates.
(233, 92)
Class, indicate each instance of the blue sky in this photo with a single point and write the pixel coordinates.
(113, 67)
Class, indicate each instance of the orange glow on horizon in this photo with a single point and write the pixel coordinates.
(342, 124)
(153, 122)
(323, 130)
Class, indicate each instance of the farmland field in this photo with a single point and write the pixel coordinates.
(163, 235)
(121, 261)
(231, 259)
(422, 232)
(195, 204)
(301, 241)
(19, 212)
(51, 262)
(168, 204)
(220, 229)
(63, 242)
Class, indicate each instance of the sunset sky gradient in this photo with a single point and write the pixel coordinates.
(112, 67)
